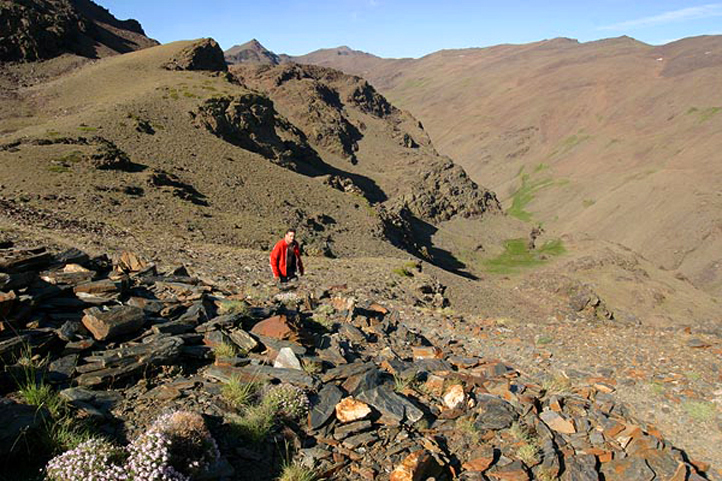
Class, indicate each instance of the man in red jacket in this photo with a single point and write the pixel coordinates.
(286, 258)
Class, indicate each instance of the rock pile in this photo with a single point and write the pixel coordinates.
(123, 339)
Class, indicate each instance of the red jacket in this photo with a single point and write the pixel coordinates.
(279, 255)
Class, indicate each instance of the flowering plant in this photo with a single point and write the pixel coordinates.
(177, 447)
(288, 401)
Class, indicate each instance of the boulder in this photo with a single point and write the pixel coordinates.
(350, 409)
(203, 54)
(115, 322)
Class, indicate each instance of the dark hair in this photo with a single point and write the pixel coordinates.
(290, 229)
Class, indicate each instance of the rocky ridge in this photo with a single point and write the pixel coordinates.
(125, 342)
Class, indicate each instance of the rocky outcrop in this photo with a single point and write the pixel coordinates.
(444, 191)
(251, 122)
(334, 109)
(203, 54)
(36, 30)
(311, 100)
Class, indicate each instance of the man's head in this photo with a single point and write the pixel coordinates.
(290, 236)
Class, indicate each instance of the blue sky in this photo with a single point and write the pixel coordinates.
(405, 28)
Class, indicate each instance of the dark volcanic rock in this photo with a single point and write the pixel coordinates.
(15, 420)
(35, 30)
(204, 54)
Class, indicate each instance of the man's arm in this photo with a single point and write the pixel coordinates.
(275, 253)
(298, 258)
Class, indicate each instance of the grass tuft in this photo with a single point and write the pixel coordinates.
(403, 382)
(240, 394)
(255, 424)
(529, 451)
(225, 349)
(240, 308)
(323, 316)
(292, 471)
(528, 454)
(466, 426)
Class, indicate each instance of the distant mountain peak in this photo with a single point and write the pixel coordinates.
(251, 52)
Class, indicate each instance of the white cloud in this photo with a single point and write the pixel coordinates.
(690, 13)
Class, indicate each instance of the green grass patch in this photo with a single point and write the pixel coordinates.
(708, 113)
(517, 256)
(524, 195)
(58, 169)
(59, 432)
(402, 272)
(412, 84)
(542, 166)
(658, 388)
(569, 143)
(292, 471)
(588, 202)
(73, 157)
(704, 114)
(700, 411)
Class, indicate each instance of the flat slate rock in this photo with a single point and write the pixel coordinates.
(583, 468)
(627, 469)
(392, 406)
(324, 405)
(345, 371)
(494, 413)
(115, 322)
(261, 373)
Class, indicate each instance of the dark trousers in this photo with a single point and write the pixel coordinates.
(290, 277)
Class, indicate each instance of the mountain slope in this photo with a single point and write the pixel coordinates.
(165, 151)
(615, 138)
